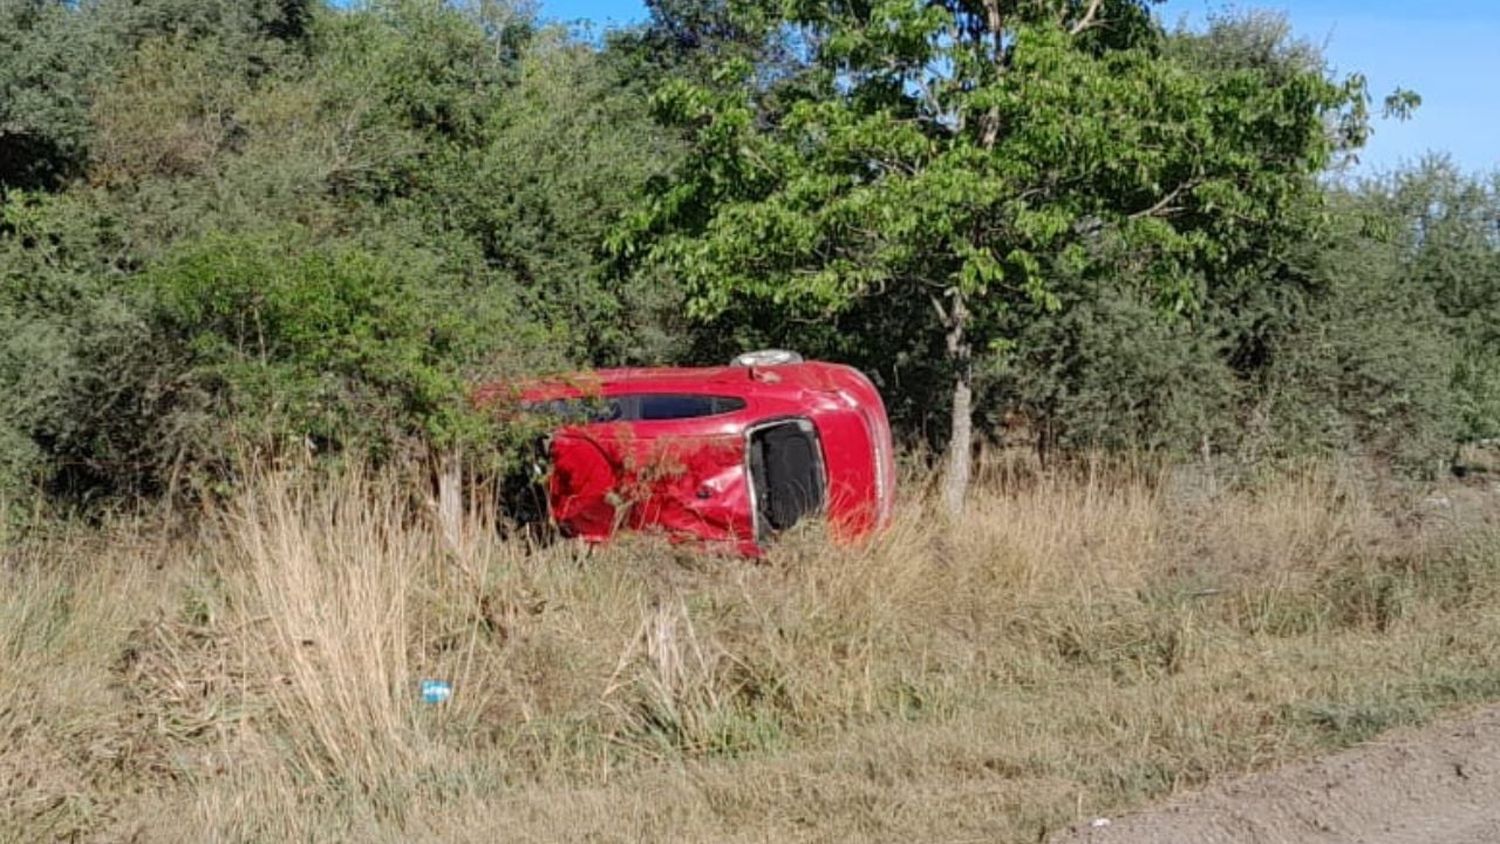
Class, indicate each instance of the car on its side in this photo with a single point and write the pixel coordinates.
(726, 456)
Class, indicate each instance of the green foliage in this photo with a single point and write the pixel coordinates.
(73, 345)
(430, 67)
(1366, 366)
(1043, 190)
(335, 345)
(54, 56)
(47, 64)
(280, 223)
(540, 208)
(1451, 247)
(977, 182)
(305, 226)
(1110, 373)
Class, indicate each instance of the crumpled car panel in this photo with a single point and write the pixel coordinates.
(605, 478)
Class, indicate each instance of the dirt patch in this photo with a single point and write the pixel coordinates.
(1437, 784)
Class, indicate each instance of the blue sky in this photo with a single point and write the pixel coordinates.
(1446, 50)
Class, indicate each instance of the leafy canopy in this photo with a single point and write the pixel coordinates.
(955, 158)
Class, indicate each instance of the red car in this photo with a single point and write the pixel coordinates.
(729, 456)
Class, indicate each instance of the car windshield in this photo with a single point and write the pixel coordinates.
(638, 407)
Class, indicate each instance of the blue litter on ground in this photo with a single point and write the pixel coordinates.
(436, 691)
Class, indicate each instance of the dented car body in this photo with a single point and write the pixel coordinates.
(726, 456)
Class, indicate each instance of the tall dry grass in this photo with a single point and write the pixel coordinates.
(1075, 643)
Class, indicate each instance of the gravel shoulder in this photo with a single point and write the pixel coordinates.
(1437, 784)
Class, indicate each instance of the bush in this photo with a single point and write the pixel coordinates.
(331, 346)
(1111, 372)
(1365, 367)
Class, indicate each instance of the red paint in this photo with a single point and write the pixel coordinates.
(690, 477)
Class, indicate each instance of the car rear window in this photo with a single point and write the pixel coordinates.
(640, 407)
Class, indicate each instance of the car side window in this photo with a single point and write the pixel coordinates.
(578, 411)
(658, 407)
(638, 407)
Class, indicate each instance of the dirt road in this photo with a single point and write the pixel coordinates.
(1439, 785)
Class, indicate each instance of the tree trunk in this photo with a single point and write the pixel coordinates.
(960, 356)
(450, 503)
(961, 432)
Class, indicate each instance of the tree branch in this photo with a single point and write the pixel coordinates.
(1089, 19)
(995, 22)
(937, 305)
(1161, 208)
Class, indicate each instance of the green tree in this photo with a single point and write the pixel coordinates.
(1362, 363)
(957, 158)
(55, 54)
(540, 209)
(48, 63)
(1445, 221)
(691, 38)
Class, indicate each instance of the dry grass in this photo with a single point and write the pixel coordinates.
(1074, 645)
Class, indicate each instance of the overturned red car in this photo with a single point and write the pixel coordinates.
(727, 456)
